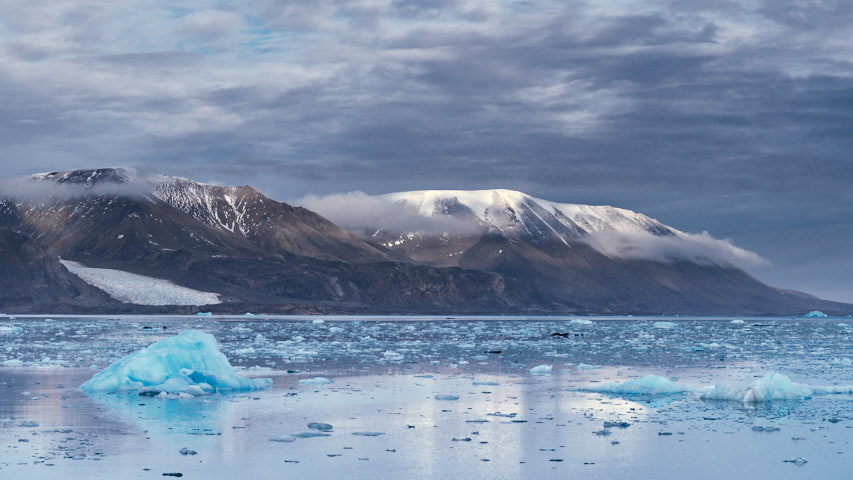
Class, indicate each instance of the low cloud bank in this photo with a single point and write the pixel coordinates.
(27, 189)
(699, 248)
(364, 214)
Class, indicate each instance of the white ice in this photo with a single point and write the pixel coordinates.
(541, 370)
(129, 287)
(189, 363)
(648, 385)
(771, 387)
(315, 381)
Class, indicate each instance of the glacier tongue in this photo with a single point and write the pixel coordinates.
(188, 363)
(138, 289)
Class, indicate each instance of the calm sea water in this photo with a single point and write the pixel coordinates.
(388, 404)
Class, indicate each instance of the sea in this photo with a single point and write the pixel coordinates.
(415, 397)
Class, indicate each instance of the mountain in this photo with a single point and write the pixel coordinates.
(601, 258)
(256, 253)
(494, 251)
(29, 276)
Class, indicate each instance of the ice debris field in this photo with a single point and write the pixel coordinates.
(209, 396)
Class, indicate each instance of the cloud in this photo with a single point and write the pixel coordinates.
(28, 189)
(364, 214)
(661, 105)
(699, 248)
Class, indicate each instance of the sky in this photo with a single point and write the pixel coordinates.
(732, 117)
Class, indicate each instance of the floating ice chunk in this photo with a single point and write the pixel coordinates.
(798, 461)
(541, 370)
(737, 321)
(584, 366)
(773, 386)
(10, 330)
(318, 321)
(14, 362)
(666, 325)
(581, 321)
(368, 434)
(323, 427)
(284, 439)
(189, 362)
(815, 314)
(447, 397)
(482, 382)
(204, 314)
(315, 381)
(648, 385)
(310, 434)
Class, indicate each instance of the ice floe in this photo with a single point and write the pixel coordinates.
(541, 370)
(648, 385)
(315, 381)
(771, 387)
(188, 363)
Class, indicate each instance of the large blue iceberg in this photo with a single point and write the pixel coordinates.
(188, 363)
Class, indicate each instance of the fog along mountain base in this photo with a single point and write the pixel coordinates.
(502, 252)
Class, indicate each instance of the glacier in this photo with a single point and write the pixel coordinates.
(189, 363)
(129, 287)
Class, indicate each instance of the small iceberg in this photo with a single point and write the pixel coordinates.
(189, 363)
(10, 330)
(665, 325)
(315, 381)
(447, 397)
(815, 314)
(648, 385)
(771, 387)
(541, 370)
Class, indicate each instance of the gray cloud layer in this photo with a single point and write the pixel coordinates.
(719, 115)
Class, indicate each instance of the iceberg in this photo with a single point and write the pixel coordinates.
(541, 370)
(188, 363)
(771, 387)
(648, 385)
(815, 314)
(315, 381)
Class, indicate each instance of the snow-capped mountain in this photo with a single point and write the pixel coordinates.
(455, 220)
(516, 214)
(238, 219)
(494, 251)
(599, 258)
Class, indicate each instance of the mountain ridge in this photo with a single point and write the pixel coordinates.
(513, 253)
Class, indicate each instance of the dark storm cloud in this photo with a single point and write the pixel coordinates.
(715, 115)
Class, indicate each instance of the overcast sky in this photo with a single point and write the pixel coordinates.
(734, 117)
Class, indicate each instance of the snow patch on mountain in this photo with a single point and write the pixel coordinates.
(129, 287)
